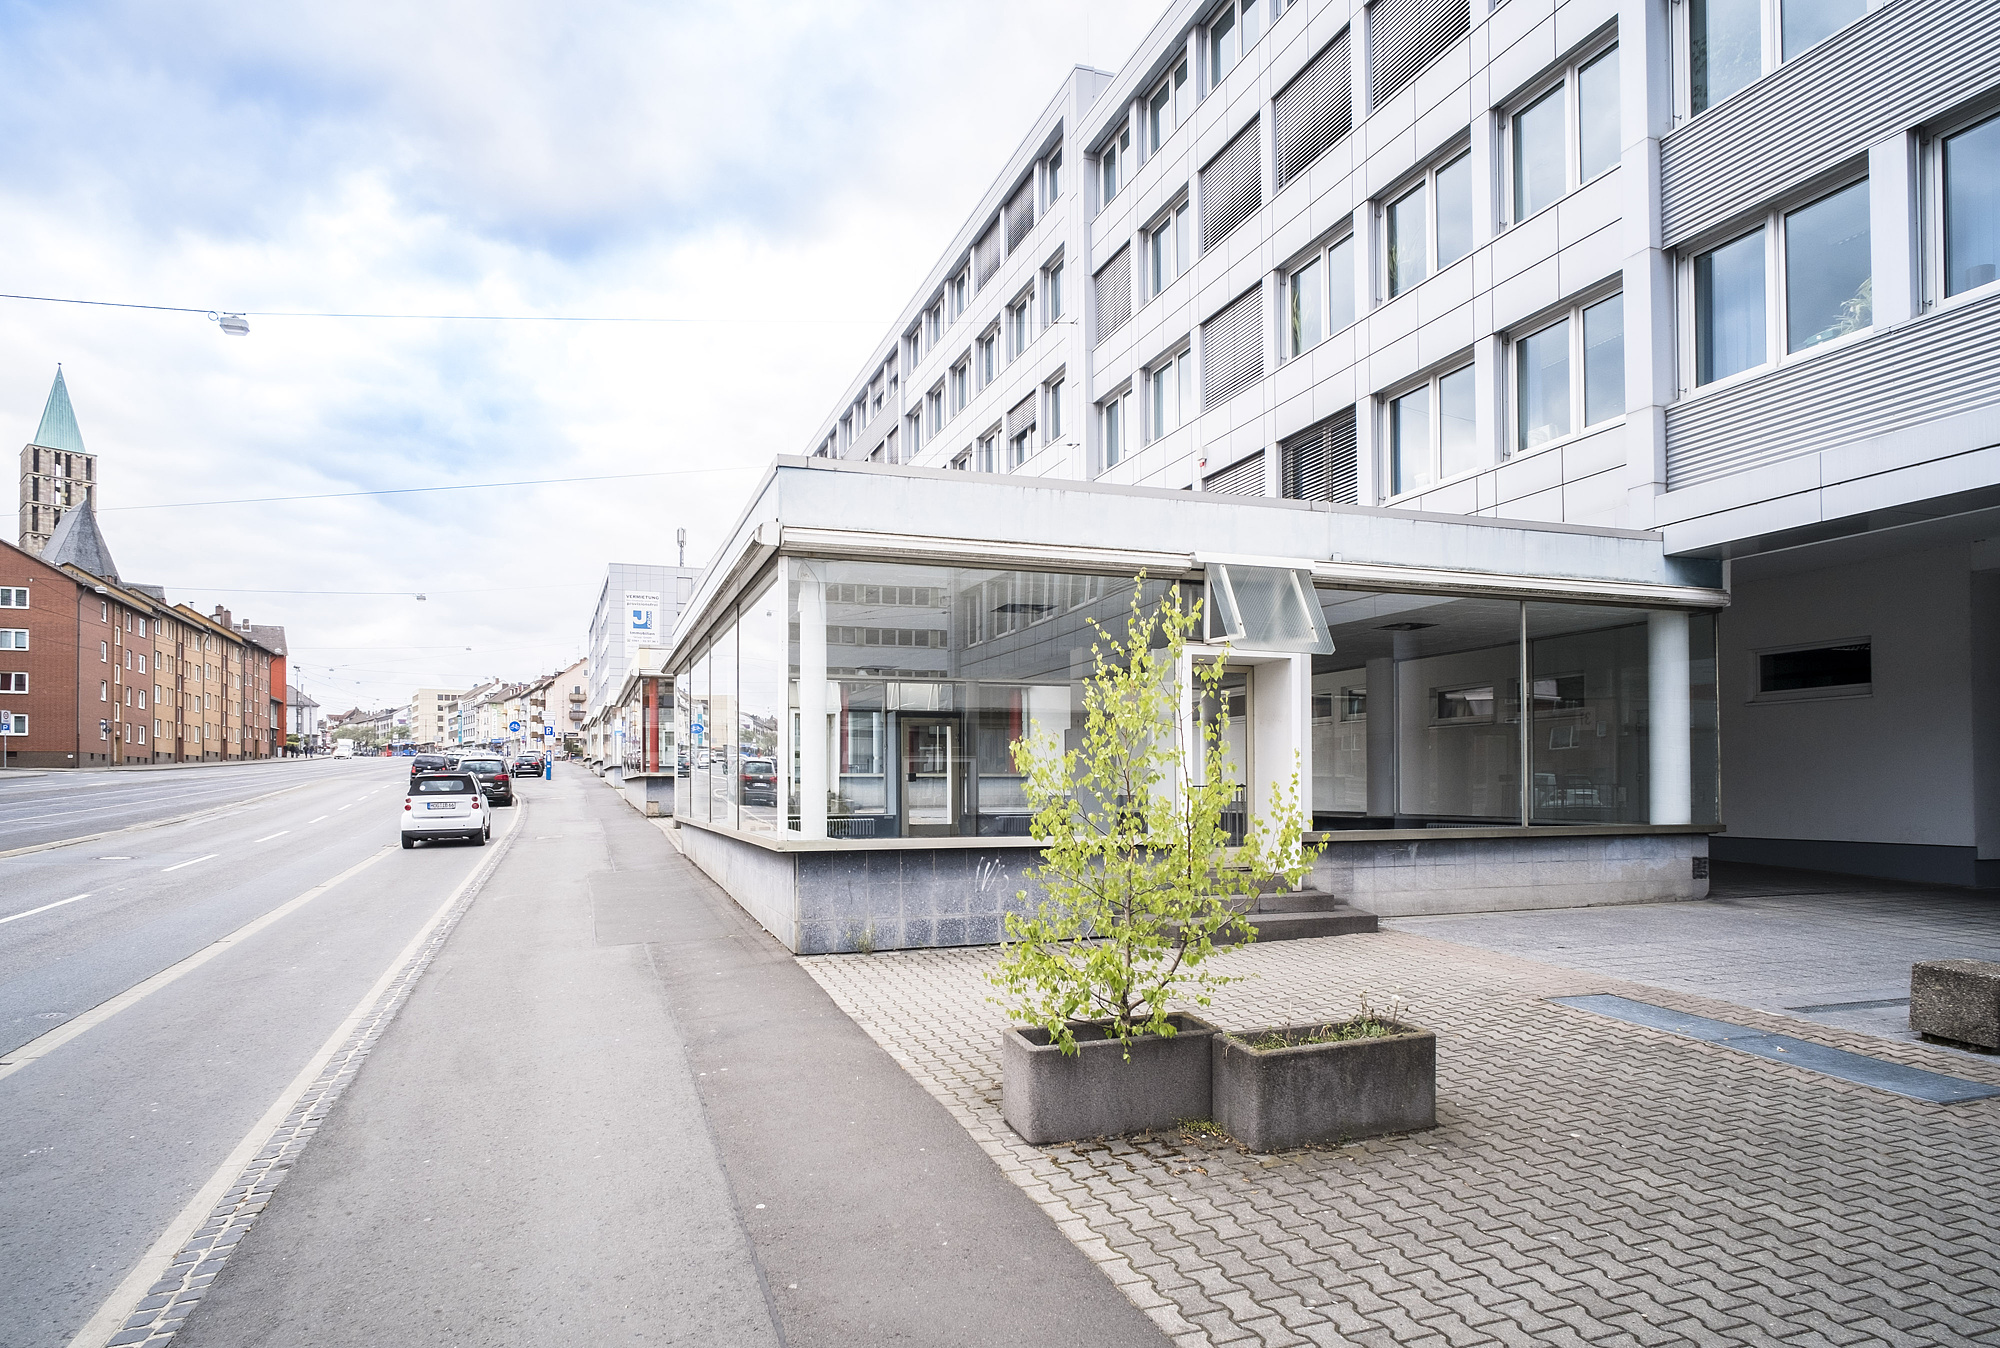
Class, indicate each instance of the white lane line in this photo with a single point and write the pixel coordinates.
(279, 834)
(16, 917)
(36, 1049)
(176, 866)
(153, 1265)
(315, 821)
(348, 806)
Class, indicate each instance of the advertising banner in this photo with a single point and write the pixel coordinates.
(642, 621)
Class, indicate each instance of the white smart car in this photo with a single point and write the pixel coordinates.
(446, 805)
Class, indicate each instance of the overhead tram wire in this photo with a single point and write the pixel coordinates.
(426, 318)
(459, 486)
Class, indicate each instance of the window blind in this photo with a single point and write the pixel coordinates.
(1021, 417)
(1404, 36)
(986, 257)
(1245, 477)
(1113, 284)
(1314, 112)
(1020, 215)
(1319, 463)
(1232, 187)
(1232, 349)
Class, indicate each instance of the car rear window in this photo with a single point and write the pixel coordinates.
(448, 785)
(481, 765)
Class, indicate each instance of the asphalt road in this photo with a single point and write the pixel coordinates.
(65, 804)
(110, 1134)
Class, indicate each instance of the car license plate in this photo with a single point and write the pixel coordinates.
(440, 805)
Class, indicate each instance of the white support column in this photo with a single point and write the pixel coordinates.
(1892, 230)
(1382, 719)
(1489, 405)
(1672, 717)
(813, 710)
(1646, 112)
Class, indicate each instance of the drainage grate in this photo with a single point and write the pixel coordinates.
(1854, 1006)
(1911, 1082)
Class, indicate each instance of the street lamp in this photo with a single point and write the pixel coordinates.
(236, 325)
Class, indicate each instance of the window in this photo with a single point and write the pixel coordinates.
(1405, 37)
(1167, 108)
(1732, 42)
(1551, 151)
(1845, 669)
(1969, 177)
(19, 725)
(1116, 412)
(16, 682)
(142, 663)
(103, 611)
(1819, 290)
(1055, 178)
(1053, 427)
(961, 385)
(1115, 164)
(1169, 394)
(1020, 432)
(1314, 112)
(1430, 225)
(103, 691)
(933, 325)
(1319, 297)
(1232, 186)
(1231, 32)
(1017, 326)
(1431, 432)
(1169, 250)
(1548, 401)
(987, 353)
(103, 652)
(1052, 294)
(987, 452)
(934, 404)
(13, 638)
(12, 597)
(960, 293)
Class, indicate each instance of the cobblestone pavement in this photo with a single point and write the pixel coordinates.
(1590, 1182)
(1819, 947)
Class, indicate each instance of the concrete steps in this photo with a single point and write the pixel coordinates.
(1293, 915)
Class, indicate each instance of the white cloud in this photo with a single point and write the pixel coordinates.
(798, 165)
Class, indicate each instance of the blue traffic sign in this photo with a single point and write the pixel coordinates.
(514, 726)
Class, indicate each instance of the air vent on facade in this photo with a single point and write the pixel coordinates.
(1232, 187)
(1320, 463)
(1232, 349)
(1113, 284)
(1314, 112)
(1245, 477)
(1404, 36)
(986, 257)
(1020, 215)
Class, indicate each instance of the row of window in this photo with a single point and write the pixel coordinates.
(1003, 341)
(1041, 418)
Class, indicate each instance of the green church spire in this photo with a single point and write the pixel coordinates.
(58, 429)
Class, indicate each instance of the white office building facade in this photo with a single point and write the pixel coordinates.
(1724, 272)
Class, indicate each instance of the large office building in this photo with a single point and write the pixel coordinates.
(636, 609)
(1726, 273)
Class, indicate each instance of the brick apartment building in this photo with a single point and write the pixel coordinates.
(96, 671)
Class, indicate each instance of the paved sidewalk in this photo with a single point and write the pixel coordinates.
(1591, 1182)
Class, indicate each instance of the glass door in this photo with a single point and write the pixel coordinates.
(933, 777)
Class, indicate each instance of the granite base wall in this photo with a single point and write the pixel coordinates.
(763, 883)
(1490, 875)
(650, 795)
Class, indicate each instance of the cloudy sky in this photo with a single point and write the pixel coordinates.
(776, 177)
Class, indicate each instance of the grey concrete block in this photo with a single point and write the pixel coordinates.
(1278, 1098)
(1048, 1097)
(1957, 1000)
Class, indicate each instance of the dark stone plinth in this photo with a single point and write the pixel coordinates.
(1957, 1000)
(1047, 1097)
(1271, 1099)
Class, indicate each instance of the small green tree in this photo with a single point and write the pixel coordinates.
(1140, 882)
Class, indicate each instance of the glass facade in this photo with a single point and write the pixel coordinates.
(874, 700)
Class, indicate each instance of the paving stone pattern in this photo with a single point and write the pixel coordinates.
(1591, 1182)
(167, 1304)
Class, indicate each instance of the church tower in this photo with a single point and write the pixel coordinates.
(55, 472)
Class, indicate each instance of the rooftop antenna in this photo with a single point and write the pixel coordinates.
(681, 537)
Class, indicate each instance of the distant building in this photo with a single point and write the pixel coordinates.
(431, 713)
(56, 473)
(636, 609)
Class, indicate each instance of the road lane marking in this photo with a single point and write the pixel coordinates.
(16, 917)
(279, 834)
(155, 1263)
(315, 821)
(36, 1049)
(150, 823)
(210, 857)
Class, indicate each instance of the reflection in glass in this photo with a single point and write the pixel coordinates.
(1604, 361)
(722, 729)
(1725, 49)
(1809, 21)
(1458, 442)
(1972, 207)
(1542, 385)
(1410, 441)
(1307, 327)
(761, 703)
(1538, 154)
(1454, 210)
(1729, 309)
(1827, 284)
(1340, 285)
(1597, 120)
(1408, 263)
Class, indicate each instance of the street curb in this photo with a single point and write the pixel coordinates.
(151, 823)
(204, 1235)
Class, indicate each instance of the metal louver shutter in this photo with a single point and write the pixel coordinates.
(1245, 477)
(985, 257)
(1113, 284)
(1232, 349)
(1404, 36)
(1232, 187)
(1021, 417)
(1020, 215)
(1314, 112)
(1319, 462)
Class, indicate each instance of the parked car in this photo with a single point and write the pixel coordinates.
(445, 805)
(423, 763)
(760, 781)
(491, 772)
(528, 765)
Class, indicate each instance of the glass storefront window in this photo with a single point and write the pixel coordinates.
(723, 746)
(761, 701)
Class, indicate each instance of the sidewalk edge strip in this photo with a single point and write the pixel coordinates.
(197, 1243)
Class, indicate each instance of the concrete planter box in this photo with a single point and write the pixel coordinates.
(1047, 1097)
(1278, 1098)
(1957, 1001)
